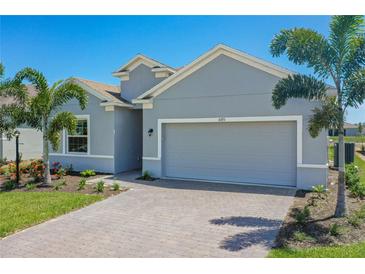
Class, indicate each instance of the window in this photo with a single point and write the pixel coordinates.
(79, 142)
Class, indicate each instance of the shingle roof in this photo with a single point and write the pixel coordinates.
(8, 100)
(109, 91)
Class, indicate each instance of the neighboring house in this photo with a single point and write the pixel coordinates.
(212, 120)
(30, 140)
(349, 130)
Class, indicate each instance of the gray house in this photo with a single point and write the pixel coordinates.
(349, 130)
(212, 120)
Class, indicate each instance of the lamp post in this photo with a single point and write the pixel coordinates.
(17, 133)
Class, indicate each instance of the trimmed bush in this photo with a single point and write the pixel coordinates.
(115, 187)
(82, 184)
(87, 173)
(99, 187)
(302, 216)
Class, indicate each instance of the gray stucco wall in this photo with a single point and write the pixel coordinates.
(140, 80)
(228, 88)
(128, 139)
(101, 156)
(30, 145)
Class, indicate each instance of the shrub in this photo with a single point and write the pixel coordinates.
(115, 187)
(320, 190)
(358, 190)
(55, 167)
(3, 161)
(82, 184)
(354, 220)
(88, 173)
(30, 186)
(99, 187)
(59, 185)
(146, 176)
(9, 185)
(61, 172)
(352, 176)
(300, 236)
(36, 170)
(302, 215)
(336, 230)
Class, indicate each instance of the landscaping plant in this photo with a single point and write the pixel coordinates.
(82, 184)
(146, 176)
(99, 187)
(301, 236)
(88, 173)
(338, 58)
(30, 186)
(59, 185)
(115, 187)
(320, 190)
(9, 185)
(302, 215)
(336, 230)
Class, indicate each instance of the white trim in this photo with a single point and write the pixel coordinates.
(138, 60)
(296, 118)
(208, 57)
(228, 182)
(312, 166)
(117, 104)
(123, 75)
(82, 155)
(64, 141)
(87, 117)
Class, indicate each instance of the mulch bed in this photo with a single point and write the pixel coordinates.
(321, 219)
(71, 185)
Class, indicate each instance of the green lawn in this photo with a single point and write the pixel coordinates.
(350, 139)
(19, 210)
(348, 251)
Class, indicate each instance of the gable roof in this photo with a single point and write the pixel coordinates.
(208, 57)
(142, 59)
(107, 93)
(205, 59)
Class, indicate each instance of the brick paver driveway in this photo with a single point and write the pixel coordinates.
(162, 219)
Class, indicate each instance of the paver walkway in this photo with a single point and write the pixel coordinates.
(164, 218)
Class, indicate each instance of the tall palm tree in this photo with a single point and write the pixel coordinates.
(340, 58)
(43, 109)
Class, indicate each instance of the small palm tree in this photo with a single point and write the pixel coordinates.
(43, 109)
(14, 98)
(340, 58)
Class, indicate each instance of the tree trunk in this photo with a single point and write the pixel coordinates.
(47, 174)
(341, 207)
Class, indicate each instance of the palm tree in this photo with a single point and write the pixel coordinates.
(43, 109)
(13, 100)
(340, 58)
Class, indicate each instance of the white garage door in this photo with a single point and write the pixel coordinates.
(241, 152)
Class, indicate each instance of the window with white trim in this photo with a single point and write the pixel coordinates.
(78, 143)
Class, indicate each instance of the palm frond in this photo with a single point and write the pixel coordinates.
(354, 89)
(62, 120)
(298, 86)
(15, 90)
(68, 90)
(33, 76)
(304, 46)
(1, 70)
(355, 58)
(324, 117)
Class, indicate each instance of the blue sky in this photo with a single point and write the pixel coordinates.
(93, 46)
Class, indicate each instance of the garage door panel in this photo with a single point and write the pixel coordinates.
(263, 152)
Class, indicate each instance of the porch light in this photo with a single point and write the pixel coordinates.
(150, 131)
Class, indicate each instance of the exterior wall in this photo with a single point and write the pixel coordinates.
(140, 80)
(228, 88)
(352, 132)
(101, 138)
(30, 145)
(128, 139)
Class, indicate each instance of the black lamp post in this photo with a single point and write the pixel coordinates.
(17, 133)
